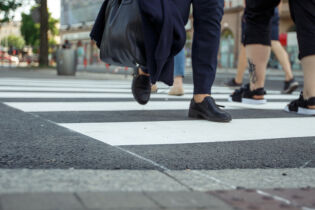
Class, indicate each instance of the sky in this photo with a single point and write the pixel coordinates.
(53, 6)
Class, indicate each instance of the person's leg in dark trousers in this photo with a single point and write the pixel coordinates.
(303, 14)
(207, 29)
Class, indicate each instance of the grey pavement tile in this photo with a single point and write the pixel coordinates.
(128, 209)
(40, 201)
(19, 181)
(197, 181)
(181, 208)
(188, 200)
(118, 200)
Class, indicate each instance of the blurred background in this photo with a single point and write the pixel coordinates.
(31, 32)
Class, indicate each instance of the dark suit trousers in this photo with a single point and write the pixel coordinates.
(207, 30)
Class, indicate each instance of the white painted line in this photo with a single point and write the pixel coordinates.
(62, 84)
(184, 132)
(97, 106)
(101, 84)
(64, 89)
(102, 89)
(118, 95)
(127, 106)
(64, 80)
(62, 95)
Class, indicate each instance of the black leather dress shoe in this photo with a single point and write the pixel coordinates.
(208, 110)
(141, 88)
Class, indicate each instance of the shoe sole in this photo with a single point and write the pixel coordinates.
(249, 101)
(301, 111)
(292, 88)
(199, 115)
(254, 101)
(176, 94)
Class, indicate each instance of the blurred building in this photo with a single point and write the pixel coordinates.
(76, 21)
(231, 34)
(10, 28)
(77, 18)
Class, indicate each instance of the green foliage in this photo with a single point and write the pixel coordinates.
(16, 42)
(7, 7)
(30, 30)
(52, 25)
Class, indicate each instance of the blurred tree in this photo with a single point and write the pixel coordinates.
(7, 8)
(30, 29)
(16, 42)
(43, 56)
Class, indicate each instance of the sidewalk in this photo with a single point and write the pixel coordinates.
(217, 200)
(151, 189)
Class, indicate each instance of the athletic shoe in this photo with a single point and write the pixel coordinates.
(232, 83)
(300, 106)
(246, 96)
(290, 86)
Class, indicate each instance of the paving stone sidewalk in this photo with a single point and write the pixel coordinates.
(246, 199)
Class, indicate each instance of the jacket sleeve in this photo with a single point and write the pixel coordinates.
(99, 25)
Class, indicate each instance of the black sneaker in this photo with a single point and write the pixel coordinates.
(244, 95)
(208, 110)
(232, 83)
(290, 86)
(300, 106)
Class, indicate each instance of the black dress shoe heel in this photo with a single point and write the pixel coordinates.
(208, 110)
(141, 87)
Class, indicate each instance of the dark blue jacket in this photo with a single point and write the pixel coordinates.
(164, 34)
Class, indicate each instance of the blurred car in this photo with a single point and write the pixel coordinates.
(5, 58)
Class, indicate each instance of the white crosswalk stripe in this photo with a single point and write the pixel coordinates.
(159, 132)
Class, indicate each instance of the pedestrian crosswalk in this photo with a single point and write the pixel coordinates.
(133, 124)
(96, 124)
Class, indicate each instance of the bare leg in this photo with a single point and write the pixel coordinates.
(177, 88)
(258, 56)
(154, 88)
(283, 59)
(143, 73)
(241, 66)
(178, 81)
(200, 97)
(308, 65)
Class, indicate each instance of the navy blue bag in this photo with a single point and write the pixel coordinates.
(122, 40)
